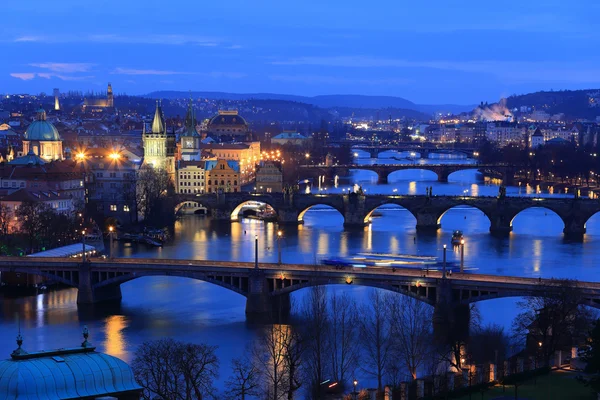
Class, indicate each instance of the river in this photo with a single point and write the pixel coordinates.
(185, 309)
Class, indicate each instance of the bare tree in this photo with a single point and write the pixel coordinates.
(6, 217)
(244, 380)
(343, 337)
(411, 332)
(294, 349)
(375, 336)
(169, 369)
(269, 357)
(30, 215)
(554, 320)
(152, 188)
(314, 328)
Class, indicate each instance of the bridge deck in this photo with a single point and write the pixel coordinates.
(130, 265)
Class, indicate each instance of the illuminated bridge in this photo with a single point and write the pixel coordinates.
(356, 209)
(267, 286)
(442, 171)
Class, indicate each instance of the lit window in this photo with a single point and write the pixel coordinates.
(126, 208)
(113, 207)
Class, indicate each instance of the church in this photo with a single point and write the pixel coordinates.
(42, 139)
(159, 145)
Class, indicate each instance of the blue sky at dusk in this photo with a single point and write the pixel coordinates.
(454, 51)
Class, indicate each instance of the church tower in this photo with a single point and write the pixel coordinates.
(110, 99)
(155, 141)
(190, 139)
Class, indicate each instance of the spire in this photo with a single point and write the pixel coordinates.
(19, 351)
(158, 123)
(190, 120)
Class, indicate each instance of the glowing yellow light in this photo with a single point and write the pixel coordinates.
(80, 155)
(115, 156)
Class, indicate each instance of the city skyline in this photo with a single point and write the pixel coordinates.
(428, 54)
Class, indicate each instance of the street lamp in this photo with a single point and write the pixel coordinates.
(256, 251)
(111, 230)
(462, 255)
(355, 393)
(83, 243)
(444, 265)
(279, 235)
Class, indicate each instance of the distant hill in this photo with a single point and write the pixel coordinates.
(575, 104)
(324, 101)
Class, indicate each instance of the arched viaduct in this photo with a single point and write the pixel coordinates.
(383, 171)
(267, 286)
(427, 210)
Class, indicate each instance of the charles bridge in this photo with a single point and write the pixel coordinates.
(421, 150)
(443, 171)
(357, 209)
(267, 286)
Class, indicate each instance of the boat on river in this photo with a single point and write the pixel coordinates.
(383, 260)
(457, 238)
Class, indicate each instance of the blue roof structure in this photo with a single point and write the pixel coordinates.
(234, 165)
(290, 135)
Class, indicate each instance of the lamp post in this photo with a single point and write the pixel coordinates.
(83, 243)
(444, 265)
(111, 230)
(279, 235)
(256, 251)
(355, 393)
(462, 255)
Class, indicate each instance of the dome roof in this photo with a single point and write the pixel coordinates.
(66, 375)
(227, 118)
(42, 130)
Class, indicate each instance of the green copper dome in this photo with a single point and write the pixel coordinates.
(42, 130)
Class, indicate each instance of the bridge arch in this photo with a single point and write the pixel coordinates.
(426, 294)
(196, 205)
(321, 206)
(235, 212)
(239, 286)
(426, 174)
(464, 205)
(547, 211)
(461, 171)
(369, 214)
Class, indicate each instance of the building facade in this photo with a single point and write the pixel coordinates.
(247, 155)
(190, 177)
(228, 125)
(189, 142)
(222, 176)
(269, 177)
(159, 146)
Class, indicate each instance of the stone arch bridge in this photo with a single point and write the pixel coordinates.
(443, 171)
(267, 286)
(356, 209)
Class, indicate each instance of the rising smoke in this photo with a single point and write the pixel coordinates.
(494, 112)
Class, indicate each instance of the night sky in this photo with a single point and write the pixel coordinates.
(430, 52)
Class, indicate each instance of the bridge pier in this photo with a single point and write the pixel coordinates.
(382, 178)
(220, 214)
(260, 304)
(87, 294)
(427, 222)
(450, 320)
(443, 176)
(500, 225)
(288, 217)
(574, 229)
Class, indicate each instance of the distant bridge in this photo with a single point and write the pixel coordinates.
(423, 152)
(268, 286)
(383, 170)
(356, 209)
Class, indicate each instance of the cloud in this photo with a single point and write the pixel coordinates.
(166, 39)
(26, 76)
(133, 71)
(64, 67)
(221, 74)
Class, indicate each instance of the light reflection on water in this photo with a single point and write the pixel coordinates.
(196, 311)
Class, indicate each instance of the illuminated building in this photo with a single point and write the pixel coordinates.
(99, 104)
(56, 101)
(190, 139)
(269, 177)
(246, 154)
(228, 125)
(42, 139)
(222, 176)
(159, 146)
(190, 177)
